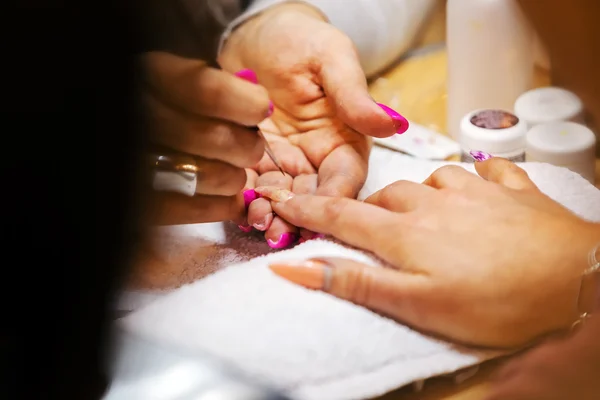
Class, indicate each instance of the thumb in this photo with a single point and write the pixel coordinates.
(505, 173)
(345, 84)
(400, 295)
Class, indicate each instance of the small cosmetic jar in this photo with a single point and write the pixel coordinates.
(497, 132)
(549, 104)
(564, 144)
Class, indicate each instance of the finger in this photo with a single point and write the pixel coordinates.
(219, 178)
(451, 177)
(174, 209)
(305, 184)
(402, 296)
(248, 196)
(280, 233)
(356, 223)
(345, 84)
(504, 172)
(342, 173)
(293, 160)
(208, 138)
(401, 196)
(192, 86)
(260, 213)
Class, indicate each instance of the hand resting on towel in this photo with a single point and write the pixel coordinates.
(485, 260)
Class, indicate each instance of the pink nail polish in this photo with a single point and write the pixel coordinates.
(249, 196)
(271, 109)
(247, 75)
(285, 240)
(480, 155)
(400, 122)
(245, 228)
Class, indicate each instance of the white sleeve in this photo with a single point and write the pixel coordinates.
(382, 30)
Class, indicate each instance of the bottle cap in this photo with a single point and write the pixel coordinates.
(549, 104)
(494, 131)
(566, 144)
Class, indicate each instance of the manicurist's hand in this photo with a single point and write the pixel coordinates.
(206, 114)
(323, 112)
(485, 260)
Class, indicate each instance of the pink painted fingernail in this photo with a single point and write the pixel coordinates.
(245, 228)
(285, 240)
(271, 109)
(264, 224)
(480, 155)
(247, 75)
(249, 196)
(400, 122)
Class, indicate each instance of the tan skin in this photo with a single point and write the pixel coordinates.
(478, 274)
(563, 366)
(466, 252)
(322, 107)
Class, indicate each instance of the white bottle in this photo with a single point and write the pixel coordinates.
(490, 57)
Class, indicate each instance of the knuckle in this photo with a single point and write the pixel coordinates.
(254, 150)
(333, 209)
(386, 196)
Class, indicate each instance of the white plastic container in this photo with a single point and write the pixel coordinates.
(497, 132)
(564, 144)
(490, 57)
(549, 104)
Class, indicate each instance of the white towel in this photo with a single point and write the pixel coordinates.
(307, 343)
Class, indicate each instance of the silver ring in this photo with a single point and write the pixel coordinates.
(177, 173)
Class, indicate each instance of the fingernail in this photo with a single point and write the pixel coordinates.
(271, 109)
(264, 224)
(245, 228)
(249, 196)
(480, 155)
(285, 240)
(310, 274)
(274, 194)
(247, 75)
(400, 122)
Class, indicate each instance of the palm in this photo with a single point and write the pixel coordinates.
(307, 137)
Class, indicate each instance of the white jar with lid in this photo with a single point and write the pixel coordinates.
(497, 132)
(549, 104)
(490, 48)
(564, 144)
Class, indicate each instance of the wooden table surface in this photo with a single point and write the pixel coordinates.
(416, 87)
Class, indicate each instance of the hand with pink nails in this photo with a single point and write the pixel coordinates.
(323, 113)
(485, 260)
(210, 115)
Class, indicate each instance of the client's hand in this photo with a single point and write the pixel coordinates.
(206, 113)
(566, 368)
(490, 261)
(322, 108)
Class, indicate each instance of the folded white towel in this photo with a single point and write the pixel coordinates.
(310, 344)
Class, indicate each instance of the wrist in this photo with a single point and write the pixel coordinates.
(286, 9)
(295, 7)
